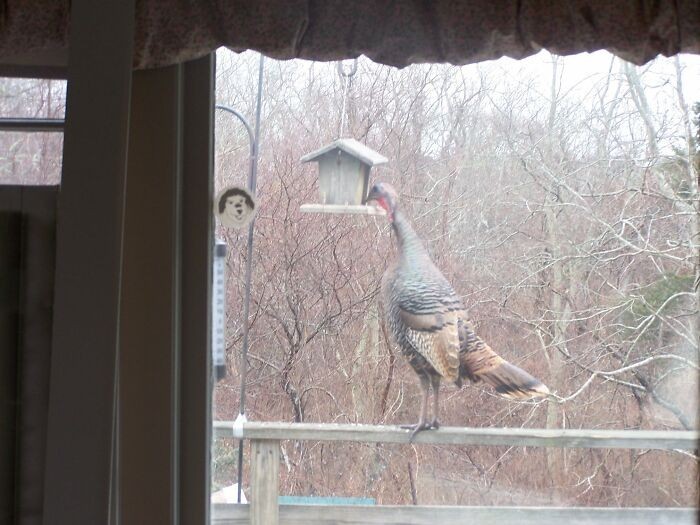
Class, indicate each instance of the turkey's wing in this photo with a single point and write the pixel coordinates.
(435, 337)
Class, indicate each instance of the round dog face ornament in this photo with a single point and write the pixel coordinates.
(235, 207)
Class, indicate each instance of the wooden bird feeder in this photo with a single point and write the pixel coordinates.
(343, 175)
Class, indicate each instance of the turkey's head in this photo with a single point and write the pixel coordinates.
(385, 196)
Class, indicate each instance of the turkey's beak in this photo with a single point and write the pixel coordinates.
(375, 202)
(378, 202)
(373, 197)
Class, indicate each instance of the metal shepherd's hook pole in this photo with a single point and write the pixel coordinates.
(254, 137)
(252, 186)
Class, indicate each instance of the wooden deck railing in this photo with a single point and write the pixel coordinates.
(265, 438)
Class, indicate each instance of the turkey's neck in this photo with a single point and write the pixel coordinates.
(410, 245)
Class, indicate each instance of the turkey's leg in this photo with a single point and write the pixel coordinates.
(435, 380)
(421, 425)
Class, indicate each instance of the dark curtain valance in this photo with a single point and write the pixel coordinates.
(397, 33)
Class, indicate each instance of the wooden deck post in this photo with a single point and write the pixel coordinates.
(264, 482)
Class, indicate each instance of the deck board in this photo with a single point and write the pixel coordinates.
(535, 437)
(423, 515)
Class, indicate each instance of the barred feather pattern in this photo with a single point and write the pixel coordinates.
(479, 362)
(429, 323)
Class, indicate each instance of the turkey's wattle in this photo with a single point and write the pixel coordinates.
(429, 323)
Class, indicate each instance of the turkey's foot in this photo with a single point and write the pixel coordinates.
(417, 428)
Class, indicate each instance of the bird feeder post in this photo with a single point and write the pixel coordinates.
(343, 177)
(264, 482)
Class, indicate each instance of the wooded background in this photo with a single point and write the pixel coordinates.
(559, 199)
(562, 206)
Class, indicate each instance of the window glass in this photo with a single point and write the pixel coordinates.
(557, 196)
(31, 157)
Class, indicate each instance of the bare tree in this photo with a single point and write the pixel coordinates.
(565, 221)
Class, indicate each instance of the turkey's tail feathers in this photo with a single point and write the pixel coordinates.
(479, 362)
(512, 382)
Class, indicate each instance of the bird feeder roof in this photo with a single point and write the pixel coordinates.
(351, 147)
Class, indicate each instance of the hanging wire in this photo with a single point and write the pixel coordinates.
(346, 76)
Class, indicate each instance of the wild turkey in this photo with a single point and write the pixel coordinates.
(429, 323)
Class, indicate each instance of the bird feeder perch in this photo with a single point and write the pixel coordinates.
(343, 175)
